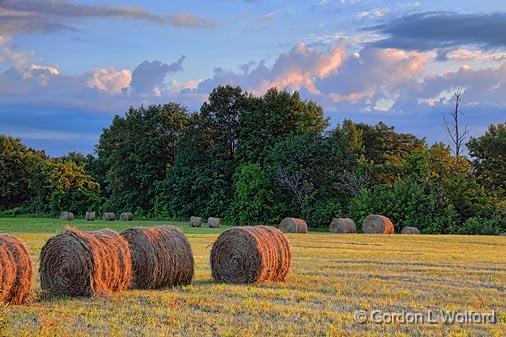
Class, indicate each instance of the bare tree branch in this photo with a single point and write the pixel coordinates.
(454, 129)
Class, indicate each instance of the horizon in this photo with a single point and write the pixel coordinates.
(67, 67)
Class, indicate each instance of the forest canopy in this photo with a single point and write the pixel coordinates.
(255, 160)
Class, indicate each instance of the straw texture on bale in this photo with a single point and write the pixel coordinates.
(126, 216)
(109, 216)
(377, 224)
(67, 216)
(410, 230)
(213, 222)
(78, 263)
(343, 225)
(16, 271)
(195, 221)
(293, 225)
(90, 216)
(250, 254)
(161, 256)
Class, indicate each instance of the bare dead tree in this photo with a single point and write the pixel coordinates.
(296, 183)
(353, 182)
(455, 131)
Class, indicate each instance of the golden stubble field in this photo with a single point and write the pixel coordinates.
(332, 276)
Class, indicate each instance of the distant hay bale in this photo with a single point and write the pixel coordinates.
(293, 225)
(343, 225)
(78, 263)
(161, 256)
(250, 254)
(67, 216)
(16, 271)
(410, 230)
(90, 216)
(213, 222)
(503, 234)
(109, 216)
(195, 221)
(377, 224)
(126, 216)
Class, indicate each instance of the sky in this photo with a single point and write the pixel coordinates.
(67, 67)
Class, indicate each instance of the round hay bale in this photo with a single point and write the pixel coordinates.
(213, 222)
(78, 263)
(250, 254)
(377, 224)
(195, 221)
(109, 216)
(126, 216)
(410, 230)
(90, 216)
(67, 216)
(343, 225)
(503, 234)
(293, 225)
(16, 270)
(161, 256)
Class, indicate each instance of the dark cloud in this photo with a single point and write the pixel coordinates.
(45, 16)
(443, 30)
(148, 76)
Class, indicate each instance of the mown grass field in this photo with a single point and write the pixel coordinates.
(332, 276)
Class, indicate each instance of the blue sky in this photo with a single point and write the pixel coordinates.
(66, 67)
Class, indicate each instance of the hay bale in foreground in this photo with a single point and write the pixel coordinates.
(90, 216)
(410, 230)
(161, 256)
(343, 225)
(78, 263)
(213, 222)
(109, 216)
(16, 270)
(67, 216)
(250, 254)
(195, 221)
(126, 216)
(377, 224)
(293, 225)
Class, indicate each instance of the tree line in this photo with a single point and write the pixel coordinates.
(255, 160)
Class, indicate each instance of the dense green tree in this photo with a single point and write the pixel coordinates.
(272, 117)
(135, 152)
(17, 163)
(254, 200)
(489, 158)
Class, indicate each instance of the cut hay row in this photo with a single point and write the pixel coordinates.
(293, 225)
(78, 263)
(16, 271)
(161, 256)
(250, 254)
